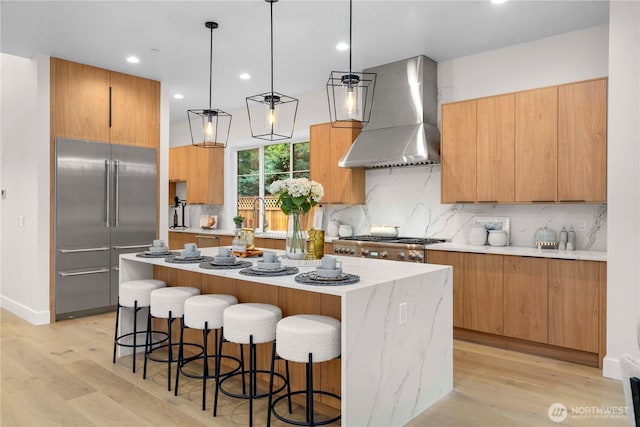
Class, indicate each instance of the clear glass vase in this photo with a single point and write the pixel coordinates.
(296, 243)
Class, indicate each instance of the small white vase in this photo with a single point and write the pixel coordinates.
(477, 235)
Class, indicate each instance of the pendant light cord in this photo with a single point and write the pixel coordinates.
(350, 41)
(272, 100)
(210, 68)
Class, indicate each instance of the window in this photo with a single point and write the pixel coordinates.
(258, 168)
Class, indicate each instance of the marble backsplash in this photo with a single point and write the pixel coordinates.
(192, 212)
(409, 197)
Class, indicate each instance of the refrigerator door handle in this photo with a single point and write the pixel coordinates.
(116, 165)
(75, 251)
(117, 248)
(107, 168)
(82, 273)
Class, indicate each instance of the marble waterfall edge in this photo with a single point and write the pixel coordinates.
(414, 360)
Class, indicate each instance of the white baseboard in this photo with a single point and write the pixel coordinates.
(611, 368)
(24, 312)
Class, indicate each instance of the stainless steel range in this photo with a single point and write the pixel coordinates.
(410, 249)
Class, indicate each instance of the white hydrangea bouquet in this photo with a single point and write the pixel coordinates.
(296, 196)
(297, 193)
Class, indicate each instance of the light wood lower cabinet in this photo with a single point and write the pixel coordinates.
(177, 240)
(573, 304)
(552, 307)
(483, 293)
(525, 298)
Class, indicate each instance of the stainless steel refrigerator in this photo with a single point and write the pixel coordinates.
(105, 206)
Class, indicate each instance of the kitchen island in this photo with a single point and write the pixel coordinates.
(397, 345)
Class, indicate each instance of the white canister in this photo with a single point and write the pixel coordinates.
(477, 235)
(345, 230)
(497, 237)
(332, 228)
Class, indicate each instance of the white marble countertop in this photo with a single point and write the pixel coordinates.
(521, 251)
(281, 235)
(371, 271)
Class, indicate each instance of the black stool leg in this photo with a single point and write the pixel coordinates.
(170, 351)
(180, 355)
(273, 365)
(286, 367)
(147, 344)
(244, 387)
(135, 333)
(251, 378)
(205, 369)
(115, 336)
(310, 417)
(215, 399)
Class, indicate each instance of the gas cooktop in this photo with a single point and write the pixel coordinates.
(397, 240)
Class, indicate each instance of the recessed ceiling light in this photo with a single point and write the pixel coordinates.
(245, 76)
(498, 1)
(133, 59)
(342, 46)
(178, 96)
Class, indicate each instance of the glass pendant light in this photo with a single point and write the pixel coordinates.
(209, 127)
(350, 93)
(272, 115)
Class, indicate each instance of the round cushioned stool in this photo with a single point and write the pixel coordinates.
(203, 312)
(166, 303)
(136, 295)
(251, 324)
(305, 338)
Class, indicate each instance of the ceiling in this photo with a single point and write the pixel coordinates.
(172, 42)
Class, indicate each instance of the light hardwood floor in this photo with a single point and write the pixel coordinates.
(62, 375)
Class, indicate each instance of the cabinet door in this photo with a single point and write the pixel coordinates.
(326, 146)
(179, 163)
(495, 148)
(178, 239)
(582, 141)
(79, 101)
(458, 152)
(456, 260)
(573, 304)
(536, 145)
(215, 180)
(483, 293)
(135, 110)
(525, 298)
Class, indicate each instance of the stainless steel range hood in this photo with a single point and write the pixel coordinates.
(402, 130)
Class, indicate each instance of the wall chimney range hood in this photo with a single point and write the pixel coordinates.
(402, 130)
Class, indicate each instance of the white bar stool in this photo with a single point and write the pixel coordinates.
(249, 323)
(166, 303)
(203, 312)
(309, 339)
(136, 295)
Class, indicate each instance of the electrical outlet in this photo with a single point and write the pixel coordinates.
(582, 225)
(403, 314)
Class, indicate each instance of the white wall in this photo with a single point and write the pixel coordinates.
(24, 140)
(623, 267)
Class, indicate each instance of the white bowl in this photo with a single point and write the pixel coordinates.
(224, 259)
(268, 265)
(329, 273)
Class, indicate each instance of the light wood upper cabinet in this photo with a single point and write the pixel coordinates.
(105, 106)
(495, 148)
(203, 171)
(456, 260)
(326, 146)
(135, 110)
(536, 145)
(525, 298)
(458, 152)
(483, 293)
(542, 145)
(582, 141)
(573, 304)
(79, 101)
